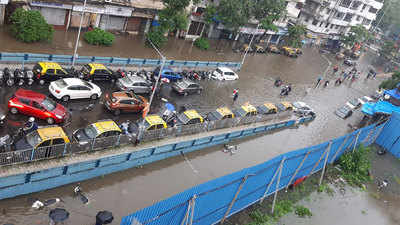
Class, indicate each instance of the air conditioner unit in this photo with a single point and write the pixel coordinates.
(108, 1)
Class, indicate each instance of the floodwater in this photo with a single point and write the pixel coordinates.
(354, 206)
(130, 190)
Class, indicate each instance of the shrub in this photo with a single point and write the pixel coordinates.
(202, 43)
(99, 37)
(355, 166)
(302, 211)
(30, 26)
(392, 82)
(157, 37)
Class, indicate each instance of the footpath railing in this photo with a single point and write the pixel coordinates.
(56, 151)
(216, 200)
(67, 59)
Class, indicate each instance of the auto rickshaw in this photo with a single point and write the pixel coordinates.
(247, 48)
(289, 52)
(259, 49)
(273, 49)
(298, 51)
(340, 56)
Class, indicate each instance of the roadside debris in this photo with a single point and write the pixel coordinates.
(230, 148)
(78, 192)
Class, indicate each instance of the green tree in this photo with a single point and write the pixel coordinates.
(157, 37)
(234, 13)
(267, 12)
(389, 14)
(356, 34)
(295, 34)
(30, 26)
(387, 49)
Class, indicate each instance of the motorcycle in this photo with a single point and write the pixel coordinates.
(28, 76)
(1, 78)
(19, 77)
(9, 77)
(278, 82)
(169, 115)
(6, 143)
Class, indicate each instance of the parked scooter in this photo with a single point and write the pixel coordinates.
(19, 77)
(1, 77)
(9, 77)
(28, 76)
(6, 143)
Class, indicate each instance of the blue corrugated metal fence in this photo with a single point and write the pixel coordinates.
(29, 58)
(210, 202)
(389, 139)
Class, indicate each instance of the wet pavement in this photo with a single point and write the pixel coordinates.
(127, 191)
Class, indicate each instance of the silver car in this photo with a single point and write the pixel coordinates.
(134, 83)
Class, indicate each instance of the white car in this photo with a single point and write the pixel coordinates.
(74, 88)
(365, 99)
(302, 109)
(353, 104)
(224, 73)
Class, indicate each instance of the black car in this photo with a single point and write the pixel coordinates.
(185, 87)
(344, 112)
(349, 62)
(98, 72)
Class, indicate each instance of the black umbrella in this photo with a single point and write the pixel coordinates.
(58, 215)
(104, 217)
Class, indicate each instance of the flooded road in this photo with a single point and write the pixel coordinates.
(125, 192)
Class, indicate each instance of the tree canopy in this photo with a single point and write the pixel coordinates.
(356, 34)
(389, 14)
(30, 26)
(295, 34)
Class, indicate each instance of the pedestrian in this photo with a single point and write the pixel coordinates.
(335, 68)
(345, 75)
(318, 81)
(338, 82)
(235, 95)
(373, 75)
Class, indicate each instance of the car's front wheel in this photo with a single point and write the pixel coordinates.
(14, 111)
(41, 82)
(94, 96)
(65, 98)
(50, 120)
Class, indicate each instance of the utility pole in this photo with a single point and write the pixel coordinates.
(79, 33)
(251, 41)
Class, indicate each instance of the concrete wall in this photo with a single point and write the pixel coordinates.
(30, 182)
(2, 14)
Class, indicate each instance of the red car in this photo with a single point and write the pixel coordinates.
(37, 105)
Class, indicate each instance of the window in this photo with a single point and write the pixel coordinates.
(200, 10)
(372, 10)
(50, 71)
(307, 19)
(327, 25)
(37, 105)
(364, 6)
(339, 15)
(160, 126)
(337, 27)
(60, 72)
(125, 102)
(44, 144)
(320, 24)
(358, 18)
(356, 5)
(332, 25)
(366, 21)
(299, 5)
(193, 86)
(345, 3)
(315, 22)
(348, 17)
(25, 101)
(73, 88)
(58, 141)
(84, 88)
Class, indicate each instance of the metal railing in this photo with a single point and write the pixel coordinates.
(32, 58)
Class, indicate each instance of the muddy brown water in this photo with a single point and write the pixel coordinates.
(130, 190)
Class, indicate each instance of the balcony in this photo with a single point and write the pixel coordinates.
(373, 3)
(339, 22)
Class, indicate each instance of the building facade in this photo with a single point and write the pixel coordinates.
(3, 4)
(331, 18)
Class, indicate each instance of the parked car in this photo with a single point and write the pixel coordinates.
(189, 117)
(46, 138)
(339, 56)
(344, 112)
(259, 49)
(302, 109)
(246, 47)
(353, 103)
(284, 106)
(134, 83)
(167, 73)
(273, 49)
(289, 52)
(37, 105)
(355, 55)
(349, 62)
(50, 71)
(125, 101)
(365, 99)
(224, 73)
(185, 87)
(267, 108)
(220, 114)
(245, 110)
(99, 130)
(98, 72)
(151, 122)
(74, 88)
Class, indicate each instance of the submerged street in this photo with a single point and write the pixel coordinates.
(125, 192)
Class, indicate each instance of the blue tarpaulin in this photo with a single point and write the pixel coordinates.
(155, 23)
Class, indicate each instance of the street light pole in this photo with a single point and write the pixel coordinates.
(251, 41)
(79, 33)
(163, 59)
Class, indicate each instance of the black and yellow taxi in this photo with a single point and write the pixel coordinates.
(50, 71)
(267, 108)
(99, 72)
(289, 51)
(284, 106)
(154, 122)
(220, 114)
(245, 110)
(189, 117)
(99, 130)
(44, 137)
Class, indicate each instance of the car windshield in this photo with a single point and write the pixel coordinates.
(183, 118)
(217, 115)
(229, 73)
(60, 83)
(297, 105)
(87, 84)
(241, 112)
(219, 71)
(33, 138)
(49, 104)
(183, 84)
(127, 80)
(91, 131)
(86, 68)
(354, 102)
(131, 94)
